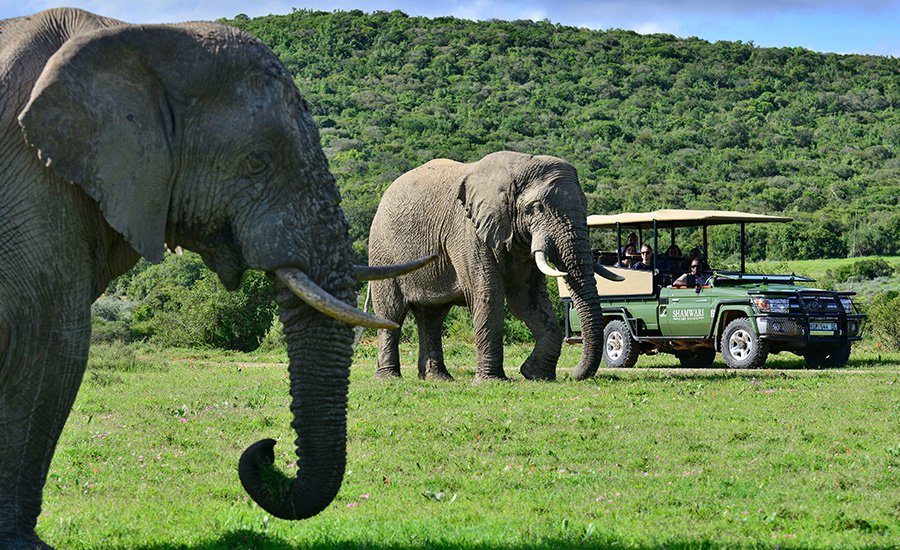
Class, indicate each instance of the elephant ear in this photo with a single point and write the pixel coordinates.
(485, 191)
(100, 117)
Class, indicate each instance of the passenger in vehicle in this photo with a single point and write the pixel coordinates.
(632, 242)
(693, 278)
(646, 261)
(695, 255)
(628, 252)
(673, 251)
(672, 260)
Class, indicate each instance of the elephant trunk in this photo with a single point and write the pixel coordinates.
(576, 258)
(320, 350)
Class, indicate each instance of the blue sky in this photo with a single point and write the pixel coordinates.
(839, 26)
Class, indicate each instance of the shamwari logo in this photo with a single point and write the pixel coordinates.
(688, 314)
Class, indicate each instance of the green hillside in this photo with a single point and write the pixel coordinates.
(650, 121)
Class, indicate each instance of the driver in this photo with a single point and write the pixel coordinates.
(693, 278)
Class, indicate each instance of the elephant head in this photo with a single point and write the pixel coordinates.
(536, 201)
(195, 135)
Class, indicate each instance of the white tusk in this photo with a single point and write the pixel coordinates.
(375, 273)
(606, 274)
(311, 293)
(545, 268)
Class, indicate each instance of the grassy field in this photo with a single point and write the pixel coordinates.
(817, 269)
(644, 458)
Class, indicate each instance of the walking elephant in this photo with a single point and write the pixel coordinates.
(118, 140)
(492, 224)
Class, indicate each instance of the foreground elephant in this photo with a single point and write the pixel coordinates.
(117, 139)
(493, 224)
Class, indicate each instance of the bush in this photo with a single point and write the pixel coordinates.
(207, 315)
(179, 302)
(862, 270)
(274, 338)
(111, 320)
(884, 319)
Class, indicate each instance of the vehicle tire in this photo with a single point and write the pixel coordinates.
(830, 357)
(619, 350)
(699, 359)
(742, 347)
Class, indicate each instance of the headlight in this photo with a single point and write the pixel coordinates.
(848, 305)
(772, 305)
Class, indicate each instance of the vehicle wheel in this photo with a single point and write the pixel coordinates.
(699, 359)
(619, 350)
(742, 347)
(832, 357)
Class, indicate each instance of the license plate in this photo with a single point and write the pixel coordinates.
(822, 328)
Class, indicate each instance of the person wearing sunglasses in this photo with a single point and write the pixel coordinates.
(646, 261)
(692, 278)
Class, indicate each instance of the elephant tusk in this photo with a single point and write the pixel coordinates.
(607, 274)
(375, 273)
(311, 293)
(541, 260)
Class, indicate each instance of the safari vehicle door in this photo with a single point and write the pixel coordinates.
(686, 311)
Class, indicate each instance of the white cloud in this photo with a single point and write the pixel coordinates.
(670, 26)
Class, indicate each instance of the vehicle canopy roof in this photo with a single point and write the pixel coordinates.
(679, 218)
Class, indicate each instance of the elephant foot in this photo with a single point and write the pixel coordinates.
(27, 542)
(532, 372)
(436, 372)
(481, 378)
(388, 373)
(583, 372)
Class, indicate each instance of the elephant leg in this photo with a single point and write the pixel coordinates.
(38, 385)
(487, 317)
(430, 322)
(388, 302)
(531, 304)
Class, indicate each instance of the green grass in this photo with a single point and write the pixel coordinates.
(644, 458)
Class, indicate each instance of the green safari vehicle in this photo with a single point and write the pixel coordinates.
(745, 316)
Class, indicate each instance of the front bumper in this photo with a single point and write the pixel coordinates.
(810, 329)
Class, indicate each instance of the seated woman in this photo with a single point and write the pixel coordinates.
(693, 278)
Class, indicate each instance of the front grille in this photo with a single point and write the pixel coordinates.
(817, 303)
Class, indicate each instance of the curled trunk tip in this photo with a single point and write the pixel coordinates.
(277, 494)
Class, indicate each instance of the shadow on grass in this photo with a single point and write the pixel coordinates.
(250, 540)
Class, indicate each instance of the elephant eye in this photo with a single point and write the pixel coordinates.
(257, 163)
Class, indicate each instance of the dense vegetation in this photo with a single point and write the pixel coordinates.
(650, 121)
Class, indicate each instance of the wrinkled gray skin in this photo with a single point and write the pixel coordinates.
(114, 140)
(485, 220)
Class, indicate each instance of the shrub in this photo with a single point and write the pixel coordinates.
(884, 319)
(207, 315)
(112, 309)
(174, 271)
(274, 338)
(111, 320)
(179, 302)
(862, 270)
